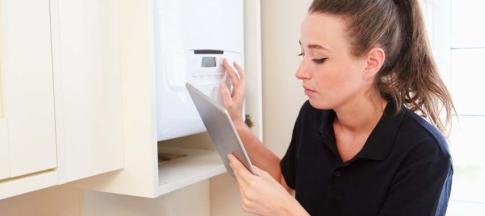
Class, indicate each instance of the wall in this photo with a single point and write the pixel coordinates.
(67, 200)
(56, 201)
(192, 200)
(282, 92)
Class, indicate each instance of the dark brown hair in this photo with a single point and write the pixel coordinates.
(409, 75)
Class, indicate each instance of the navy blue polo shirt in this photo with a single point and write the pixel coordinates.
(404, 167)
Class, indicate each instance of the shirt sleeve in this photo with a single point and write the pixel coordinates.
(287, 165)
(288, 162)
(423, 184)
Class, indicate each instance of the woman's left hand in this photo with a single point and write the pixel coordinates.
(262, 194)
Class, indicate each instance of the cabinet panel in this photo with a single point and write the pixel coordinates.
(87, 87)
(1, 90)
(4, 164)
(26, 65)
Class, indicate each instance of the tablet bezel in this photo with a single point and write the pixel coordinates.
(235, 145)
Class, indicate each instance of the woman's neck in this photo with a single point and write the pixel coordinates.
(361, 113)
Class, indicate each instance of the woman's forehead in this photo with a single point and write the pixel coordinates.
(323, 29)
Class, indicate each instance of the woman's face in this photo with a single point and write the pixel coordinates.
(331, 75)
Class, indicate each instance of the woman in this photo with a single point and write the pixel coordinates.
(360, 145)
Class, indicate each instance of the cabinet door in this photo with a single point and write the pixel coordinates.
(4, 164)
(88, 91)
(4, 161)
(28, 103)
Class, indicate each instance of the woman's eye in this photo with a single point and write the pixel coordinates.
(317, 61)
(320, 61)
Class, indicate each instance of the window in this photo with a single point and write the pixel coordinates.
(457, 37)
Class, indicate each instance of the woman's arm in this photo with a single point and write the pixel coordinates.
(259, 154)
(267, 193)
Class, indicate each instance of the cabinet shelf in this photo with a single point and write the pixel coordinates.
(196, 165)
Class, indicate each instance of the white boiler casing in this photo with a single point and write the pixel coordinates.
(191, 38)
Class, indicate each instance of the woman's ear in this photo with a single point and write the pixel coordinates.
(375, 60)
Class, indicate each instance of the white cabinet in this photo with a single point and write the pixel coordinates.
(88, 89)
(96, 58)
(4, 163)
(28, 150)
(65, 50)
(142, 174)
(27, 124)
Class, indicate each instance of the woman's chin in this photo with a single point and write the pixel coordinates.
(318, 104)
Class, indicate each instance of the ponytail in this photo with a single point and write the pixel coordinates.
(409, 75)
(419, 85)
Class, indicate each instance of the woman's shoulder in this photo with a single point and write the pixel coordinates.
(418, 134)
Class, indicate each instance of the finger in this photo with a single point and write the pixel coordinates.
(239, 169)
(258, 170)
(243, 185)
(240, 71)
(232, 74)
(240, 89)
(261, 172)
(226, 95)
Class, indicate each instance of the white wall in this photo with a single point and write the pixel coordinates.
(56, 201)
(282, 92)
(192, 200)
(67, 200)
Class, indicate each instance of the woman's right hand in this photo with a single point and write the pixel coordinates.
(261, 194)
(233, 101)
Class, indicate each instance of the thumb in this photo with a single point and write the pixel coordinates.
(260, 171)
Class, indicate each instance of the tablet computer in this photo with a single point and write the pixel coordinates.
(220, 128)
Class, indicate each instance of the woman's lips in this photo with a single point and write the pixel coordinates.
(308, 91)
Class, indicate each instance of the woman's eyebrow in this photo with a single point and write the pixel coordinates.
(316, 46)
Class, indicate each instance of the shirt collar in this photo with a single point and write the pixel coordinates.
(379, 143)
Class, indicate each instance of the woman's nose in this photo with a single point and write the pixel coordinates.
(302, 72)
